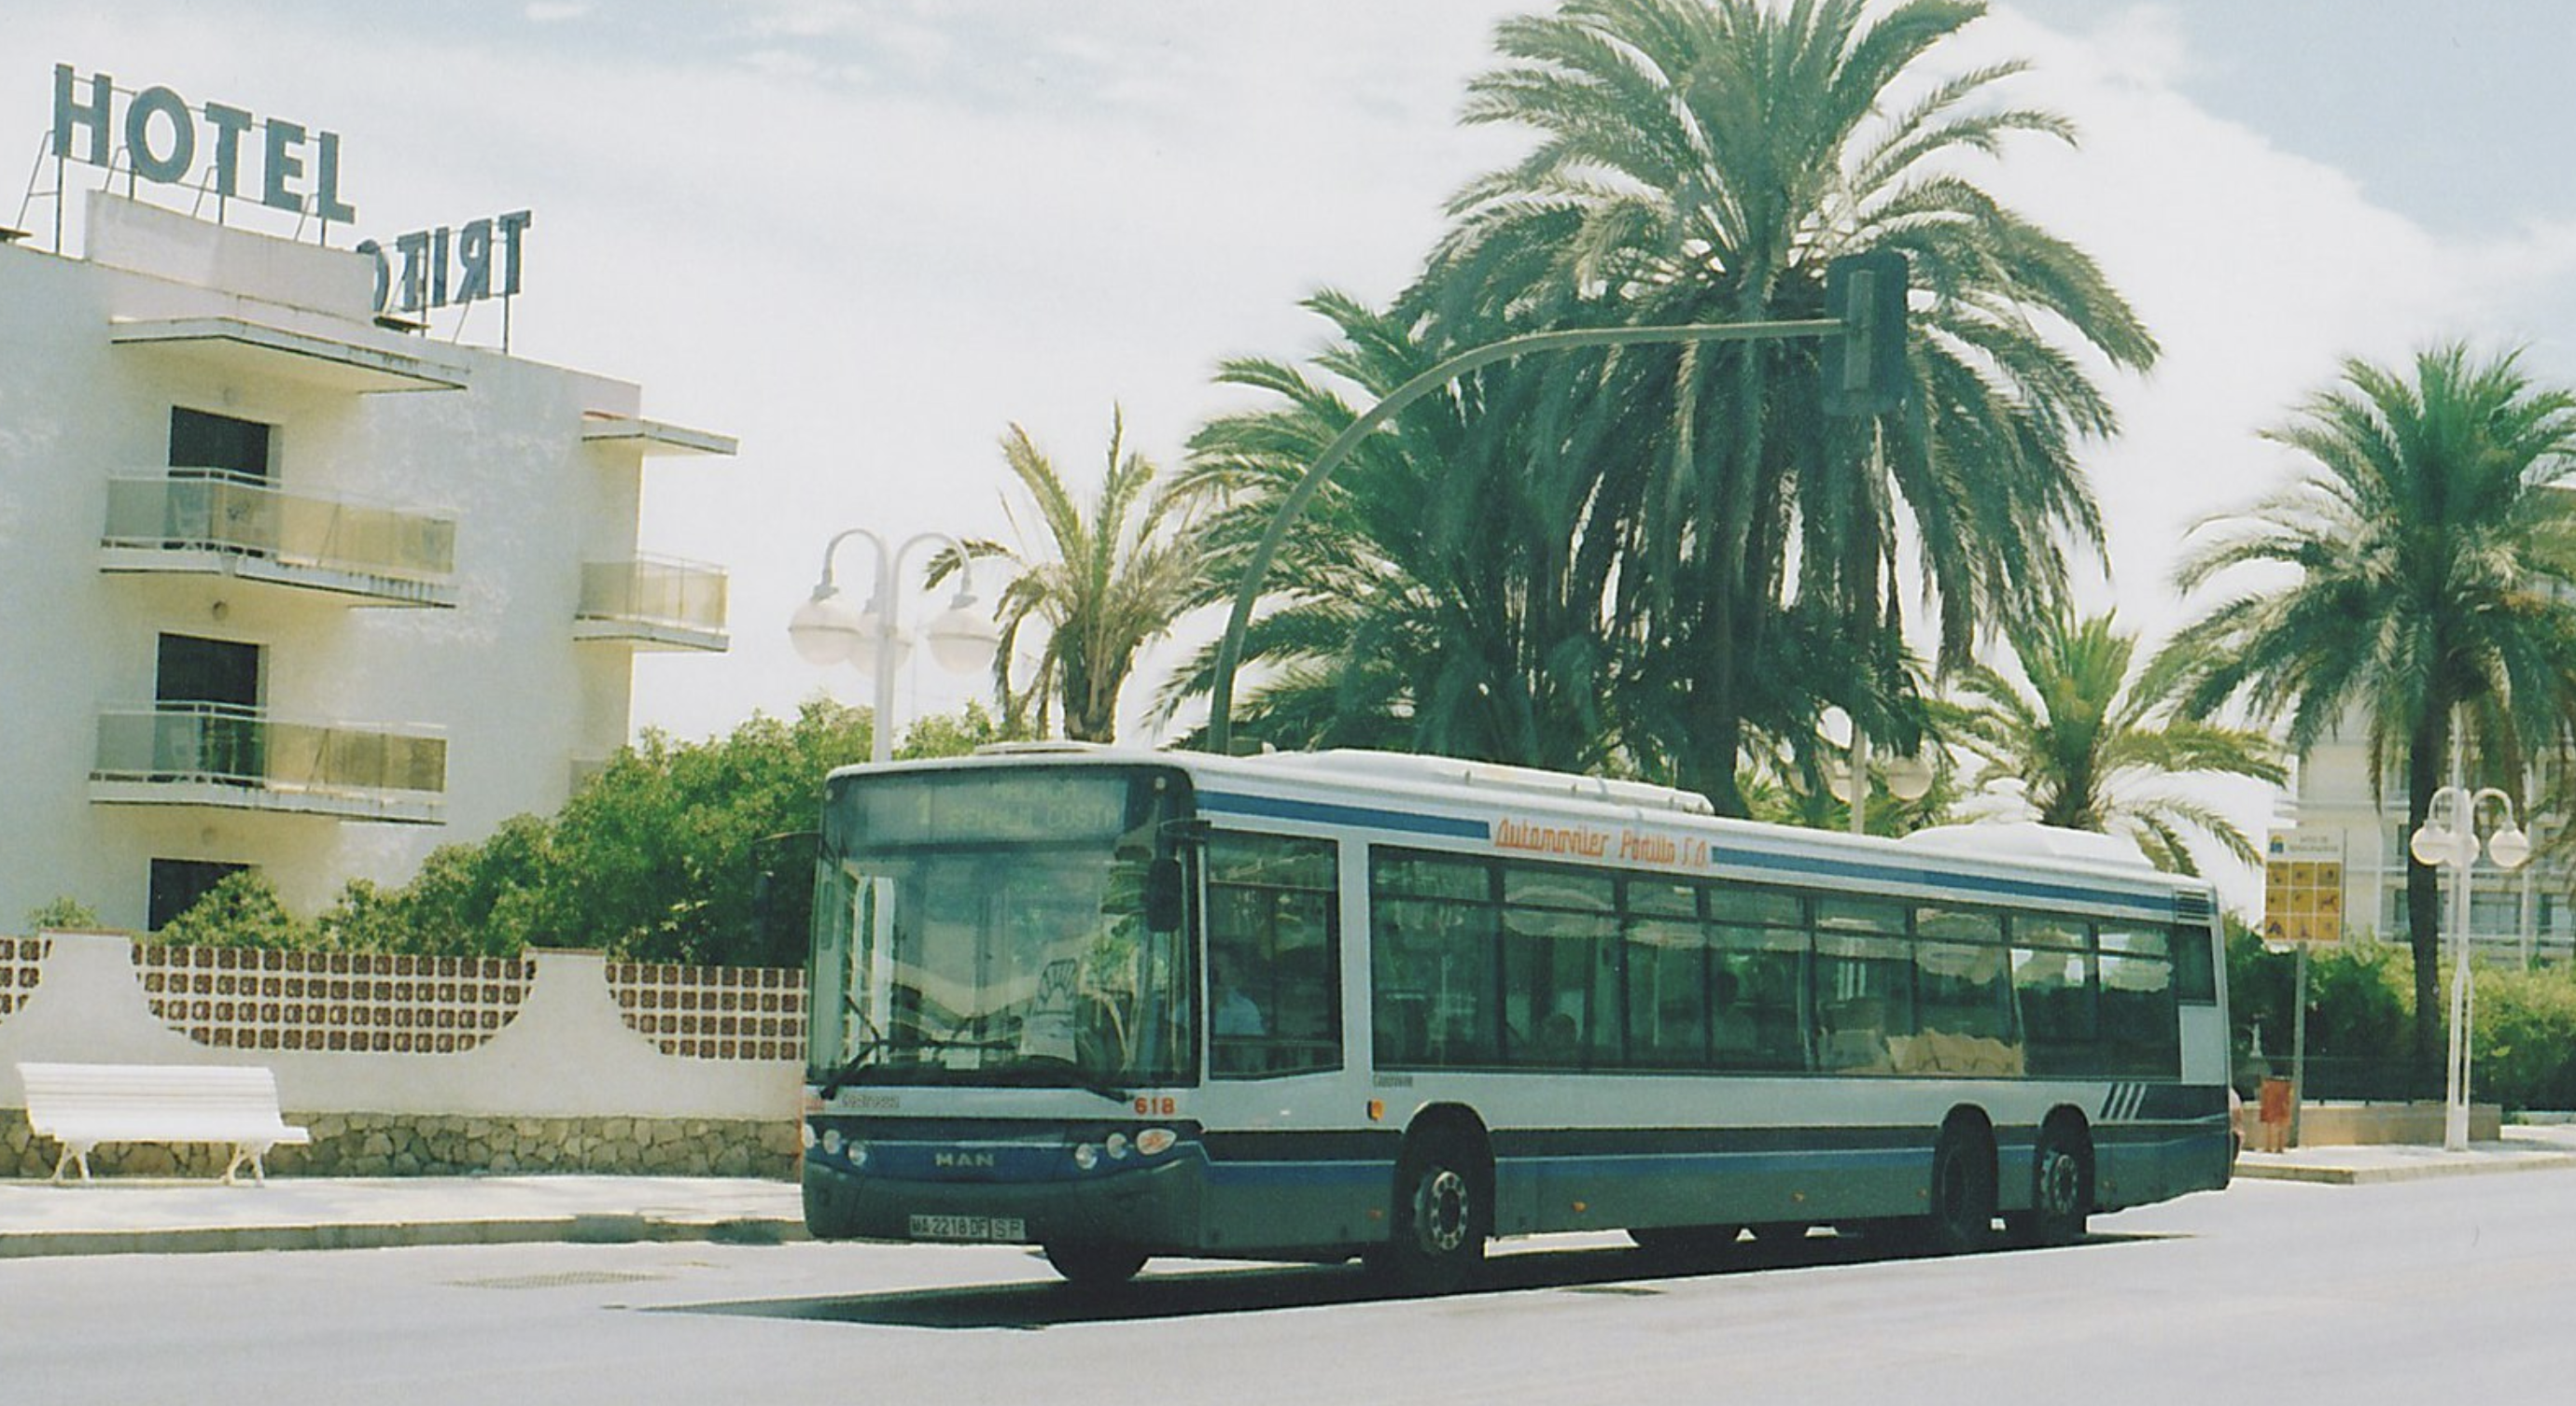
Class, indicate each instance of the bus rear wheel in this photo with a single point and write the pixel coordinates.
(1088, 1265)
(2061, 1190)
(1437, 1242)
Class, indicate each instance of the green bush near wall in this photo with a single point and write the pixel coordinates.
(2361, 1008)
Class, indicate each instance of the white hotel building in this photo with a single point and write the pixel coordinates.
(2332, 815)
(287, 587)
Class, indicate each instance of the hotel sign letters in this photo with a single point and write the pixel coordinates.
(162, 137)
(165, 141)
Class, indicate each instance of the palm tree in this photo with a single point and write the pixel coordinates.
(1112, 580)
(2428, 560)
(2094, 745)
(1415, 606)
(1703, 161)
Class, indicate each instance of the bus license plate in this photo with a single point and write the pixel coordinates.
(1009, 1228)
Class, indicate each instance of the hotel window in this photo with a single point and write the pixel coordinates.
(177, 884)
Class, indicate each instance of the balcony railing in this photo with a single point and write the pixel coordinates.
(214, 754)
(246, 527)
(657, 602)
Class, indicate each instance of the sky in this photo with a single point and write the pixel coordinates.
(867, 236)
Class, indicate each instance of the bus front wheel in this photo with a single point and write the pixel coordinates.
(1437, 1242)
(1094, 1266)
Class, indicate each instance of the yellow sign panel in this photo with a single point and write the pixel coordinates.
(2302, 896)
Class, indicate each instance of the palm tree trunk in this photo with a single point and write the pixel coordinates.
(2424, 753)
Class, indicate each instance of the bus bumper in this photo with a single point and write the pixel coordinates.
(1153, 1207)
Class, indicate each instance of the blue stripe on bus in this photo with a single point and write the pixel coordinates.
(2157, 905)
(1327, 813)
(1311, 1173)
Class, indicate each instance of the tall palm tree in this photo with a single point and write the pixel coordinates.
(1108, 581)
(2428, 565)
(1703, 161)
(2096, 746)
(1416, 605)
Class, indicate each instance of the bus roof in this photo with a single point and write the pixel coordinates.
(1451, 797)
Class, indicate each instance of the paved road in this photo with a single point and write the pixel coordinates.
(2413, 1292)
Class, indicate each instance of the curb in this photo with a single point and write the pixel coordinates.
(401, 1235)
(2425, 1171)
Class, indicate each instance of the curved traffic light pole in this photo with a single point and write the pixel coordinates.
(1229, 651)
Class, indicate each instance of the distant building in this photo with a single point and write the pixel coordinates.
(2521, 914)
(284, 587)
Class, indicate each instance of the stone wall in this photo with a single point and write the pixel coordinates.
(406, 1145)
(402, 1145)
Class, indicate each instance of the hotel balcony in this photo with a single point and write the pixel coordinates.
(220, 525)
(230, 758)
(653, 603)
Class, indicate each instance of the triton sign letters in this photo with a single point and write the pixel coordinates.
(164, 138)
(430, 256)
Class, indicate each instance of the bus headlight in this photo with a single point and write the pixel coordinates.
(1117, 1146)
(1086, 1157)
(831, 1142)
(1154, 1142)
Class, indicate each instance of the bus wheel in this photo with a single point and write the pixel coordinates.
(2061, 1190)
(1963, 1194)
(1684, 1242)
(1437, 1242)
(1089, 1265)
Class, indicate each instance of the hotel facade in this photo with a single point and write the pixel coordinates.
(286, 584)
(2339, 830)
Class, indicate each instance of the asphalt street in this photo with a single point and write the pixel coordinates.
(2411, 1291)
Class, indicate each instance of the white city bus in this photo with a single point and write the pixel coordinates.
(1307, 1006)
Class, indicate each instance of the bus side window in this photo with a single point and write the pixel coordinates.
(1864, 985)
(2053, 987)
(1274, 955)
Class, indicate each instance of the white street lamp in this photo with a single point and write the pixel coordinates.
(827, 630)
(2452, 843)
(1909, 778)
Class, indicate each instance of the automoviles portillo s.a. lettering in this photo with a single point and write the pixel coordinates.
(1584, 842)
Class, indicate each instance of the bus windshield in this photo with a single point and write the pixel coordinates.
(991, 927)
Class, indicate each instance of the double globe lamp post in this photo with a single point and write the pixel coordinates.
(2452, 843)
(828, 630)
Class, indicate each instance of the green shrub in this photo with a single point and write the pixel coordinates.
(2523, 1054)
(62, 913)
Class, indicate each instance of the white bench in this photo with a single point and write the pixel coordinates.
(83, 1105)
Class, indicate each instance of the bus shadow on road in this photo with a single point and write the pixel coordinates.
(1198, 1293)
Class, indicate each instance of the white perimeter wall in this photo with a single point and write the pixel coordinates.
(568, 1052)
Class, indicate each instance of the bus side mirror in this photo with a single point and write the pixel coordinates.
(1164, 886)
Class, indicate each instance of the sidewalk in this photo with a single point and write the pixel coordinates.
(160, 1216)
(2523, 1149)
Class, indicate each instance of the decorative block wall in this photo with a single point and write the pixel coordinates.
(714, 1012)
(235, 998)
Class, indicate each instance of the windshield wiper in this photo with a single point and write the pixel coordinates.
(1073, 1076)
(849, 1070)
